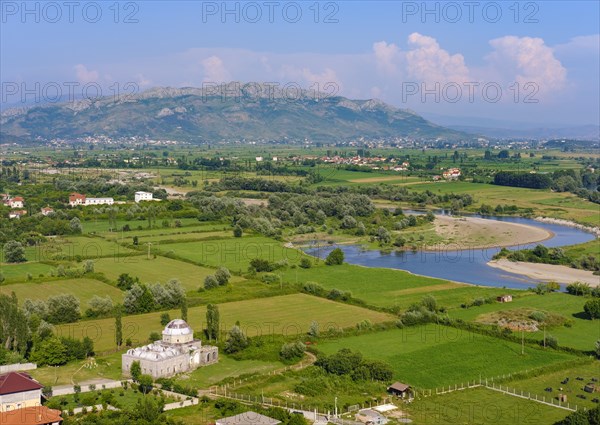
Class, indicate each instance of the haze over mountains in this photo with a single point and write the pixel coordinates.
(194, 115)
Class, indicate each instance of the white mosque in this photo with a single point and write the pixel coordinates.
(177, 352)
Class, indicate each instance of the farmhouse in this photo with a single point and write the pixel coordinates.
(177, 352)
(46, 211)
(17, 213)
(143, 196)
(504, 299)
(400, 390)
(19, 390)
(79, 199)
(16, 202)
(451, 174)
(37, 415)
(247, 418)
(76, 199)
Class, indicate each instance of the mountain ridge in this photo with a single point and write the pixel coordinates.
(227, 112)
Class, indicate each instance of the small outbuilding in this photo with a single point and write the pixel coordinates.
(400, 390)
(370, 417)
(591, 388)
(504, 299)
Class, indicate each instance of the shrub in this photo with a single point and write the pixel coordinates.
(335, 257)
(292, 350)
(305, 263)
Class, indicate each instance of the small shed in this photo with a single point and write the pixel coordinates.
(504, 298)
(400, 390)
(591, 388)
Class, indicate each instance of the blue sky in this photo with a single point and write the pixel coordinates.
(536, 62)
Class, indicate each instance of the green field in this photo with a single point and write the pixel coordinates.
(233, 253)
(554, 380)
(159, 269)
(290, 315)
(75, 247)
(560, 205)
(389, 288)
(18, 272)
(581, 335)
(433, 356)
(83, 288)
(481, 406)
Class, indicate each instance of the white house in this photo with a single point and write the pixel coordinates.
(143, 196)
(19, 390)
(99, 201)
(16, 202)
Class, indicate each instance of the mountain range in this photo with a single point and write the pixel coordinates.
(207, 115)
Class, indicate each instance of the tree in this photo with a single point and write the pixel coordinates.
(99, 306)
(305, 262)
(222, 275)
(313, 331)
(118, 326)
(135, 370)
(236, 340)
(138, 299)
(237, 231)
(212, 321)
(75, 225)
(165, 319)
(50, 352)
(63, 308)
(154, 336)
(14, 252)
(210, 282)
(360, 229)
(292, 350)
(348, 222)
(88, 266)
(184, 309)
(430, 303)
(592, 308)
(383, 235)
(125, 282)
(146, 383)
(335, 257)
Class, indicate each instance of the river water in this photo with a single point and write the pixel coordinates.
(455, 263)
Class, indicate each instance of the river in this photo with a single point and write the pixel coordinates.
(468, 266)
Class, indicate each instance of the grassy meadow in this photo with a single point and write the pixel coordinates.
(290, 315)
(433, 356)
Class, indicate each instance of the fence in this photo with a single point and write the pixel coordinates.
(68, 389)
(180, 404)
(490, 384)
(17, 367)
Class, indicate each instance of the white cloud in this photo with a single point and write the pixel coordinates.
(142, 81)
(528, 59)
(85, 75)
(215, 71)
(386, 56)
(428, 62)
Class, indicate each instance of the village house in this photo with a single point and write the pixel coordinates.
(37, 415)
(504, 299)
(19, 390)
(451, 174)
(16, 202)
(143, 196)
(46, 211)
(76, 199)
(17, 213)
(177, 352)
(247, 418)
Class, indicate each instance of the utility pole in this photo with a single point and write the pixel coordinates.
(335, 411)
(149, 246)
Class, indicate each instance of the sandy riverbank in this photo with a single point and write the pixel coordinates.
(473, 232)
(547, 272)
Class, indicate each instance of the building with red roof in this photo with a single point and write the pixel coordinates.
(19, 390)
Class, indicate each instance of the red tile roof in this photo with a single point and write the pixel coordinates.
(17, 198)
(37, 415)
(17, 382)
